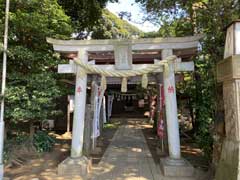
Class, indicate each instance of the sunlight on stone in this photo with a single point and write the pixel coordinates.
(136, 149)
(63, 150)
(105, 168)
(51, 163)
(135, 178)
(151, 138)
(36, 164)
(130, 174)
(147, 113)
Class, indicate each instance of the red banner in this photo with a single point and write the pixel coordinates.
(160, 129)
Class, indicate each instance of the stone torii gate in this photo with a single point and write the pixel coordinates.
(78, 164)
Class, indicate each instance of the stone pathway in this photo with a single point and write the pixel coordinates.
(129, 158)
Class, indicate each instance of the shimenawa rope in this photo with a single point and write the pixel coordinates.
(124, 74)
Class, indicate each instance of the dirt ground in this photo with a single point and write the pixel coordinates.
(38, 165)
(43, 165)
(189, 149)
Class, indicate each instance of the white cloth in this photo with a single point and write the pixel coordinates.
(110, 103)
(97, 108)
(71, 102)
(104, 110)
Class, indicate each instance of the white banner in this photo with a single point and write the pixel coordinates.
(110, 103)
(71, 103)
(104, 110)
(97, 108)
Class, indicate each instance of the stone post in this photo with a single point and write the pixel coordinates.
(171, 108)
(228, 72)
(79, 108)
(171, 112)
(87, 131)
(92, 111)
(78, 164)
(101, 118)
(174, 165)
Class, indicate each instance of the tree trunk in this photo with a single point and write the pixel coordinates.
(31, 130)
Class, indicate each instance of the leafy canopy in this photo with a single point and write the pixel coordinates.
(111, 27)
(84, 14)
(32, 86)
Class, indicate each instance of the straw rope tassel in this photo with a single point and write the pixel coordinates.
(103, 83)
(124, 85)
(144, 81)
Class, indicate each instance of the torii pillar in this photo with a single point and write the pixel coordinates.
(77, 164)
(174, 165)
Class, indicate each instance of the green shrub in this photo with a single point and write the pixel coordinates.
(43, 142)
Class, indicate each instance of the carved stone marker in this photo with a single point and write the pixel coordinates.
(228, 73)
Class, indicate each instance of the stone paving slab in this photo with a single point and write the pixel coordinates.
(127, 157)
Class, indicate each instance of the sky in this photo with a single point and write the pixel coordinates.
(136, 12)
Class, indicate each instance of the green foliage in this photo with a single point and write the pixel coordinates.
(204, 102)
(19, 143)
(43, 142)
(1, 47)
(21, 138)
(84, 14)
(111, 125)
(112, 27)
(32, 87)
(31, 97)
(32, 21)
(200, 88)
(176, 28)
